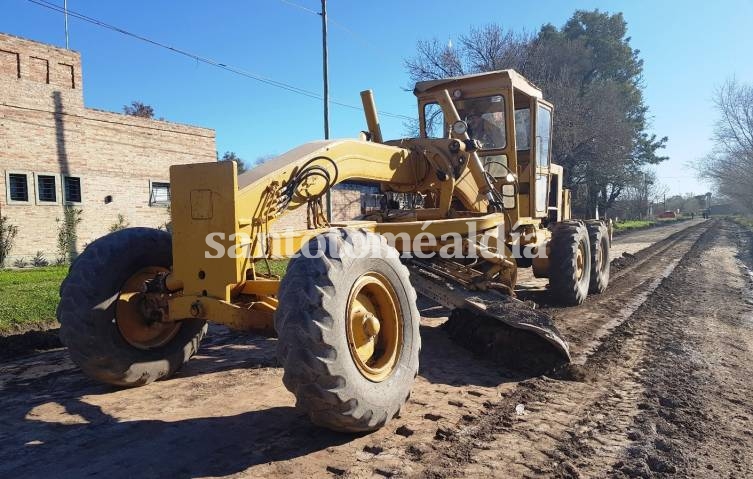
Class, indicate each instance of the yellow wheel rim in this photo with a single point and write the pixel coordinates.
(374, 325)
(580, 261)
(137, 330)
(603, 259)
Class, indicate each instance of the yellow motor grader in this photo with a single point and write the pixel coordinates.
(464, 205)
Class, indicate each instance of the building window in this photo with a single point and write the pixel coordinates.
(10, 64)
(18, 187)
(159, 193)
(46, 189)
(72, 189)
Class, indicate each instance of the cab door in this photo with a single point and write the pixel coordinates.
(542, 155)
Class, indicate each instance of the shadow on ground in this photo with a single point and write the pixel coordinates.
(197, 447)
(85, 440)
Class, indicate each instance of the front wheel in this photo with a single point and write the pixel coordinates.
(348, 329)
(101, 320)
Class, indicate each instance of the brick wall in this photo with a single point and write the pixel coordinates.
(45, 128)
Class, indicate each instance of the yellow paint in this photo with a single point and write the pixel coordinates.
(211, 198)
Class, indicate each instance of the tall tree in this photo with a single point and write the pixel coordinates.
(137, 108)
(231, 156)
(588, 69)
(729, 166)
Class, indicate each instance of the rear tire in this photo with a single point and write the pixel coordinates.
(598, 235)
(313, 322)
(88, 301)
(570, 263)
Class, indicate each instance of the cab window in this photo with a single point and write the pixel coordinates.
(523, 129)
(434, 123)
(496, 165)
(485, 117)
(543, 134)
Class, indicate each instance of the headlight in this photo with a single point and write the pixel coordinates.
(510, 178)
(459, 127)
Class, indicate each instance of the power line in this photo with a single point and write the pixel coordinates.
(206, 60)
(360, 38)
(300, 7)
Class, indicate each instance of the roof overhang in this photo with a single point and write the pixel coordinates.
(499, 78)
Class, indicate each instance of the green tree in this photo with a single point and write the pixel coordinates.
(68, 234)
(8, 234)
(607, 81)
(231, 156)
(137, 108)
(589, 70)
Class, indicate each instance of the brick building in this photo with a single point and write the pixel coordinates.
(57, 153)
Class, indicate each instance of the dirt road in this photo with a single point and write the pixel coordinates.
(661, 386)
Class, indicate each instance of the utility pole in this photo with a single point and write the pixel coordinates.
(645, 194)
(65, 15)
(325, 71)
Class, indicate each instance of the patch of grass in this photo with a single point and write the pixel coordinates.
(746, 221)
(29, 298)
(277, 266)
(631, 225)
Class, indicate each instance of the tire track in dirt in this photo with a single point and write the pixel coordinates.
(585, 327)
(695, 418)
(588, 428)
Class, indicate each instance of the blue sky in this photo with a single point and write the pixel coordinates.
(689, 48)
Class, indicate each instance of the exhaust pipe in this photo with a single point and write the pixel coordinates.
(372, 120)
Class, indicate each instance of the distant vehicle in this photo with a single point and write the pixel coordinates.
(667, 215)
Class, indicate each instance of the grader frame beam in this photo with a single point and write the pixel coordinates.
(209, 198)
(214, 206)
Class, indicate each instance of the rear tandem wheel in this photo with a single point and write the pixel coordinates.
(600, 243)
(570, 263)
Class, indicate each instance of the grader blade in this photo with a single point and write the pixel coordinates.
(494, 325)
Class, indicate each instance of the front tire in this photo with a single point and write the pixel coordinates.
(570, 263)
(94, 292)
(348, 329)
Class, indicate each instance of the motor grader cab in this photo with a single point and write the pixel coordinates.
(513, 126)
(466, 204)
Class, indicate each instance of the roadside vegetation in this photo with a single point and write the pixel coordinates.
(633, 225)
(728, 166)
(30, 297)
(746, 221)
(8, 234)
